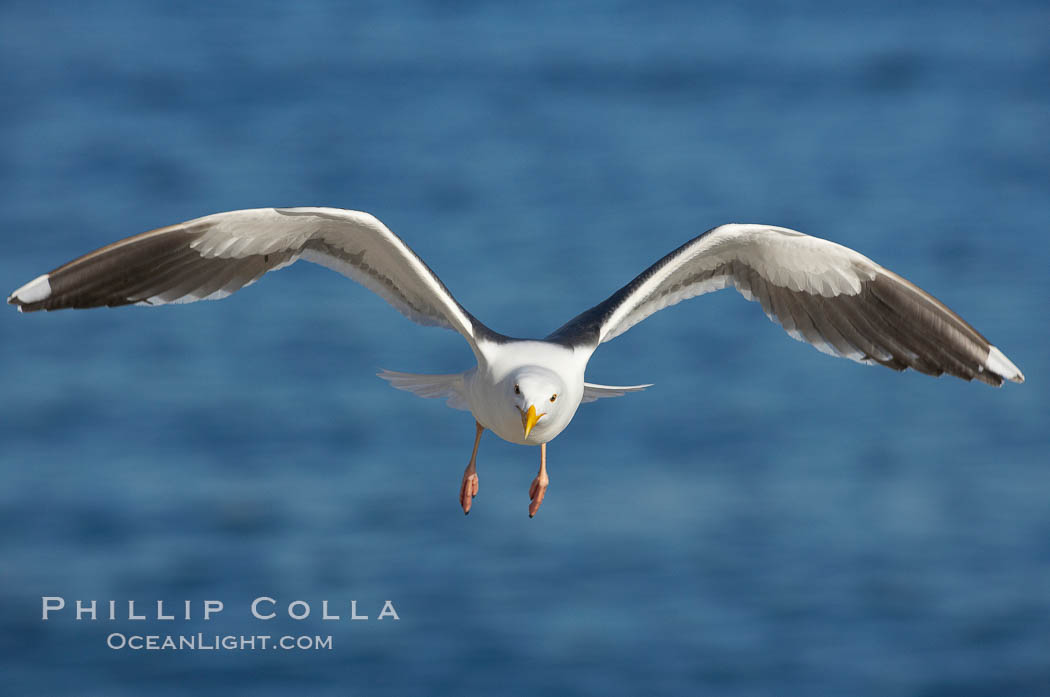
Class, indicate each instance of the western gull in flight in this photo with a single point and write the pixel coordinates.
(527, 390)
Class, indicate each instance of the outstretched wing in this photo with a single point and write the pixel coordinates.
(211, 257)
(820, 292)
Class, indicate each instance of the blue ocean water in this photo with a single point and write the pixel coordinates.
(764, 521)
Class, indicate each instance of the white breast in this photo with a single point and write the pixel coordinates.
(490, 387)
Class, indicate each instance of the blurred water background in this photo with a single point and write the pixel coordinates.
(765, 521)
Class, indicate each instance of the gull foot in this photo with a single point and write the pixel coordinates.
(468, 490)
(537, 491)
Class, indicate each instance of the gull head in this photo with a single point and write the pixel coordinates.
(536, 394)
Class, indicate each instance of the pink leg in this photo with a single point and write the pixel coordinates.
(539, 484)
(469, 489)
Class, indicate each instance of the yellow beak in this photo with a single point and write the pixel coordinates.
(529, 419)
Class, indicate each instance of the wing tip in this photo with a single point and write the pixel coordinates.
(33, 293)
(999, 364)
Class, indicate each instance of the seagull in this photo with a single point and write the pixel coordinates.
(526, 391)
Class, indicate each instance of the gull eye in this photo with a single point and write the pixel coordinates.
(554, 396)
(517, 390)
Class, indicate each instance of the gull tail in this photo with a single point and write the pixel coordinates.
(592, 392)
(448, 387)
